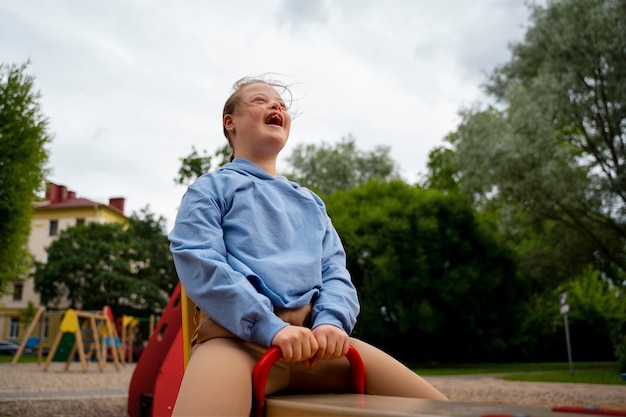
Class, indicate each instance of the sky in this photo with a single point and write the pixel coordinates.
(130, 86)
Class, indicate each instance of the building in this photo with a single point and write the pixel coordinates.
(60, 210)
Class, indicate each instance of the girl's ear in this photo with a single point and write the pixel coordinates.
(228, 122)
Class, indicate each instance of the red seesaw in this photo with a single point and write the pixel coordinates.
(156, 380)
(273, 354)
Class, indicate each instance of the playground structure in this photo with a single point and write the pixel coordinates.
(157, 377)
(127, 325)
(89, 333)
(37, 320)
(159, 372)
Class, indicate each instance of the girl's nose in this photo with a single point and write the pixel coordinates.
(275, 105)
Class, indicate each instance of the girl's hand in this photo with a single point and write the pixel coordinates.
(333, 342)
(297, 344)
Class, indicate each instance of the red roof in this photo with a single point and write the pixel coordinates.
(74, 202)
(58, 196)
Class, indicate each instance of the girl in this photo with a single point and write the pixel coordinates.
(264, 265)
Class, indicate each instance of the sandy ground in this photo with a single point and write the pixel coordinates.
(26, 390)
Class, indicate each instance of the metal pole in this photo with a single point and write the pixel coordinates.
(569, 347)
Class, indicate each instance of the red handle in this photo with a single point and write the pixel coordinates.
(273, 354)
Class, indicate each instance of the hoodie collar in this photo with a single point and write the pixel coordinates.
(246, 167)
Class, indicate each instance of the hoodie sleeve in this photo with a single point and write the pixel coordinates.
(338, 302)
(201, 260)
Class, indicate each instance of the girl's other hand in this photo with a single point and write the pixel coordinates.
(333, 342)
(297, 344)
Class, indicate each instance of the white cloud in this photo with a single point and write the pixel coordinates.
(130, 86)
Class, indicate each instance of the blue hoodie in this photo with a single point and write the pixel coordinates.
(245, 242)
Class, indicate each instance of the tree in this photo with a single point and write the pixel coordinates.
(195, 164)
(325, 168)
(129, 268)
(440, 171)
(554, 145)
(153, 256)
(28, 314)
(597, 319)
(23, 156)
(597, 307)
(427, 269)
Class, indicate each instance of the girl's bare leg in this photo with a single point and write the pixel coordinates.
(384, 375)
(217, 381)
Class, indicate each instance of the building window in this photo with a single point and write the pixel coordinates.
(54, 228)
(14, 328)
(80, 222)
(18, 291)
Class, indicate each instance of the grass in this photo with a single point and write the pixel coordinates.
(584, 372)
(26, 358)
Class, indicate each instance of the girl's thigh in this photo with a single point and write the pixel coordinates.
(385, 375)
(217, 380)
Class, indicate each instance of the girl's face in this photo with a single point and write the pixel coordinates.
(259, 126)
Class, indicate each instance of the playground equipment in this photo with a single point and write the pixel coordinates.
(158, 374)
(37, 319)
(86, 338)
(128, 336)
(111, 339)
(273, 354)
(127, 327)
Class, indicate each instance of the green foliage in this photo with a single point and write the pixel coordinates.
(153, 260)
(546, 163)
(428, 270)
(27, 314)
(548, 252)
(195, 164)
(596, 320)
(326, 168)
(597, 307)
(129, 268)
(557, 148)
(23, 156)
(441, 172)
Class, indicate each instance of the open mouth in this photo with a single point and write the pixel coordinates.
(274, 119)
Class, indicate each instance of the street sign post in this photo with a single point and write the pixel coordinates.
(564, 307)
